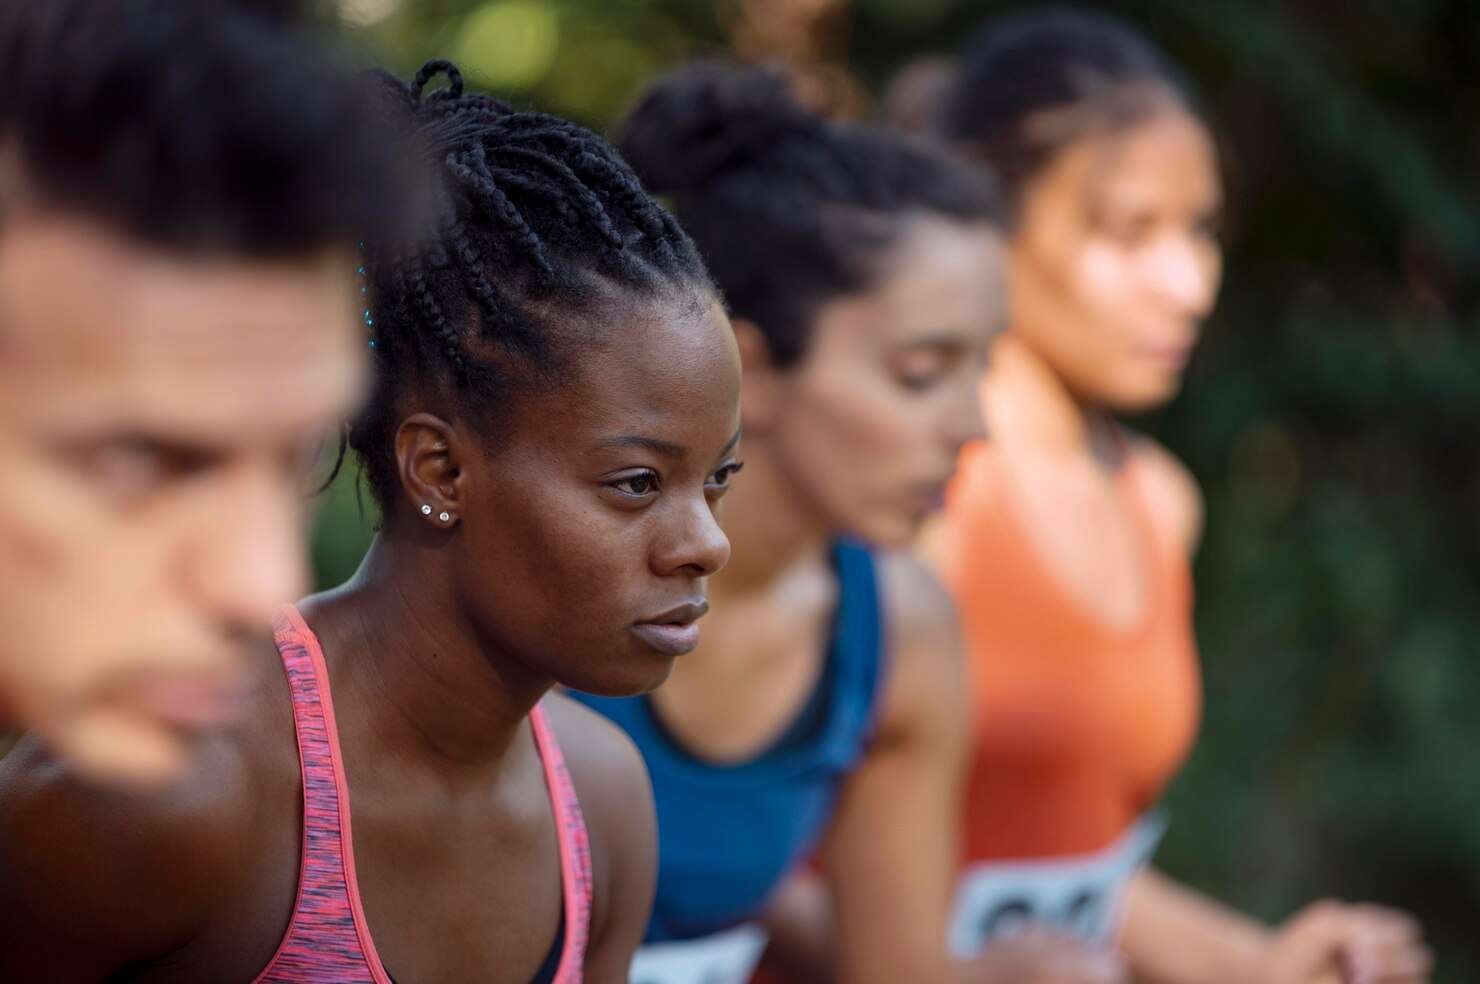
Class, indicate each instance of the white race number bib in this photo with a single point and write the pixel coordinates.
(1079, 895)
(724, 958)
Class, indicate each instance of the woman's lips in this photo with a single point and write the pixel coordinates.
(668, 638)
(1172, 358)
(675, 631)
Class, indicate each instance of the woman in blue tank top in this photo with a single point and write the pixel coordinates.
(824, 713)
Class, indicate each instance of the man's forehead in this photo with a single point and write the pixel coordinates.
(90, 320)
(207, 406)
(69, 289)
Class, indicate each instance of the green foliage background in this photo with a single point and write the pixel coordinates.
(1331, 414)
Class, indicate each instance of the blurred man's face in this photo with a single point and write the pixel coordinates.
(157, 416)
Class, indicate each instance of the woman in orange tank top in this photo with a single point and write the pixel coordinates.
(1096, 733)
(1067, 541)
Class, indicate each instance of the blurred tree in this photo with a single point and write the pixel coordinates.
(1331, 414)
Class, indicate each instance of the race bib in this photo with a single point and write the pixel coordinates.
(724, 958)
(1078, 895)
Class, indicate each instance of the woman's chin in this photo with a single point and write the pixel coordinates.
(638, 676)
(1146, 395)
(893, 531)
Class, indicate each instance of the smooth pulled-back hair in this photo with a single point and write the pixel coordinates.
(1028, 85)
(789, 211)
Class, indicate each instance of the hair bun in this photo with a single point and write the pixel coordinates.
(432, 69)
(706, 118)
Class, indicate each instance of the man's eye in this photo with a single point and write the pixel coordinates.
(129, 465)
(132, 467)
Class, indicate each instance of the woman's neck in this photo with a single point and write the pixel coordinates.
(770, 523)
(416, 682)
(764, 639)
(1027, 403)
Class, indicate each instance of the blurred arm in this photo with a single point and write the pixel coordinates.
(93, 880)
(1173, 935)
(616, 799)
(892, 853)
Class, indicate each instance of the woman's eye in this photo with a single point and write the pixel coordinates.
(1127, 229)
(1129, 234)
(1209, 227)
(638, 486)
(919, 370)
(721, 478)
(917, 382)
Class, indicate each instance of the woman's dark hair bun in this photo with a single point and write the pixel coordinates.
(706, 118)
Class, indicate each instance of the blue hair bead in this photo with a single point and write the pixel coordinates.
(365, 290)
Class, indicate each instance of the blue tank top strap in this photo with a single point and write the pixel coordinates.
(856, 656)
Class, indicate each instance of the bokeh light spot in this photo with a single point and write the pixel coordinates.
(364, 13)
(510, 44)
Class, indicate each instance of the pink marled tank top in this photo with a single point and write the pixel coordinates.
(328, 941)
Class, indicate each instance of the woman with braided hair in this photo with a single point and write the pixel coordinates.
(553, 421)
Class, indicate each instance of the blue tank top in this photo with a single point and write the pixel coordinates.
(728, 834)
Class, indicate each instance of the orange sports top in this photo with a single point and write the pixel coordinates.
(1079, 726)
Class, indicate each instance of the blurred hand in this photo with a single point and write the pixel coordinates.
(1334, 943)
(1043, 958)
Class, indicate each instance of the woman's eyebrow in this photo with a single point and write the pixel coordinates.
(656, 445)
(659, 446)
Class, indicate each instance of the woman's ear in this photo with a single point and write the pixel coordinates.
(760, 380)
(428, 462)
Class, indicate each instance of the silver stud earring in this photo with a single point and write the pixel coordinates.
(426, 510)
(445, 517)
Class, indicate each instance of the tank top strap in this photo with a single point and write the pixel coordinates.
(1128, 480)
(327, 939)
(858, 651)
(1168, 567)
(575, 850)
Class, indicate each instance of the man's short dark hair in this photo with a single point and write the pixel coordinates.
(219, 126)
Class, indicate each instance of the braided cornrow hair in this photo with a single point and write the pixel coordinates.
(536, 222)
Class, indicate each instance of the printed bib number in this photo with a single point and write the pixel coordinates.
(1078, 895)
(724, 958)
